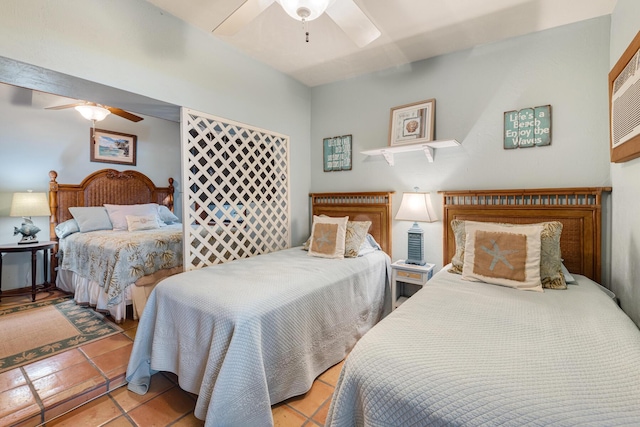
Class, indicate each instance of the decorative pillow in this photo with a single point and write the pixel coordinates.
(66, 228)
(369, 245)
(305, 245)
(328, 237)
(503, 255)
(355, 236)
(145, 222)
(91, 218)
(550, 260)
(166, 215)
(118, 213)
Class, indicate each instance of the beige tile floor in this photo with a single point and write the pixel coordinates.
(85, 386)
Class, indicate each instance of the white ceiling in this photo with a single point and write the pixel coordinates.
(411, 30)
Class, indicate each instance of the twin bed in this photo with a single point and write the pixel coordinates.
(248, 334)
(470, 353)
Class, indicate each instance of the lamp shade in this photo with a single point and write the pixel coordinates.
(93, 112)
(305, 9)
(416, 207)
(29, 204)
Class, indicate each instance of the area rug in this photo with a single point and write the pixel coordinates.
(34, 331)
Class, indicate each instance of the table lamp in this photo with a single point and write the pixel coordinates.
(27, 205)
(416, 207)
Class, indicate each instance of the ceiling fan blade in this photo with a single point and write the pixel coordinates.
(246, 13)
(61, 107)
(353, 22)
(124, 114)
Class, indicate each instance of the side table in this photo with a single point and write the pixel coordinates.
(402, 273)
(45, 247)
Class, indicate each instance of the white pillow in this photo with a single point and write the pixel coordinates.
(166, 215)
(369, 245)
(144, 222)
(328, 237)
(567, 276)
(118, 213)
(67, 228)
(503, 255)
(91, 218)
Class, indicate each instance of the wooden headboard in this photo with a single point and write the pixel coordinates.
(366, 206)
(104, 186)
(578, 209)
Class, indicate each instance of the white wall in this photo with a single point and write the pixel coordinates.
(133, 46)
(625, 265)
(565, 67)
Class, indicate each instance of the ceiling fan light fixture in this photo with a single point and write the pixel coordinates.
(305, 10)
(94, 113)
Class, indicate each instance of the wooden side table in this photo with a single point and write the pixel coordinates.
(33, 248)
(412, 274)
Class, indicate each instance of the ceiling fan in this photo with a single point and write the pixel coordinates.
(96, 112)
(345, 13)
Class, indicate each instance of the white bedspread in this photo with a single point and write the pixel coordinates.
(471, 354)
(253, 332)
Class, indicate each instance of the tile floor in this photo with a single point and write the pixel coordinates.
(90, 379)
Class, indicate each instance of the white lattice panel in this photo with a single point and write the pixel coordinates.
(236, 190)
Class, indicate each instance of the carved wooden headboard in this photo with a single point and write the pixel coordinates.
(365, 206)
(578, 209)
(104, 186)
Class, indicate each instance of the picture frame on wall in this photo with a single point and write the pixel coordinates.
(113, 147)
(412, 123)
(624, 105)
(336, 153)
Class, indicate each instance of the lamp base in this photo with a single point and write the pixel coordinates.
(415, 249)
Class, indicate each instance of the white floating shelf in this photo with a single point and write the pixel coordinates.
(426, 147)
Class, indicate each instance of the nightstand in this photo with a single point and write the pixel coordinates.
(45, 247)
(407, 274)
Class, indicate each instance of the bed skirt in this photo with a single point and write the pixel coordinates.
(88, 292)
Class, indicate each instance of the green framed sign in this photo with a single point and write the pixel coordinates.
(336, 153)
(528, 127)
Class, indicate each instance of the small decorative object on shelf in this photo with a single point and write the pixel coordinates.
(412, 123)
(27, 205)
(406, 277)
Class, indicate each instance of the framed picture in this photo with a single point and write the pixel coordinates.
(624, 104)
(113, 147)
(336, 153)
(412, 123)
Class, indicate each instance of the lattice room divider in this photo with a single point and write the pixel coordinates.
(236, 190)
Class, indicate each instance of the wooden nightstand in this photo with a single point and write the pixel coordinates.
(411, 274)
(45, 247)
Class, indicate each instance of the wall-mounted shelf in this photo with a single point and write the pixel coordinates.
(426, 147)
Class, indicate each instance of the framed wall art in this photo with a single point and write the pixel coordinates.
(113, 147)
(336, 153)
(624, 104)
(412, 123)
(528, 127)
